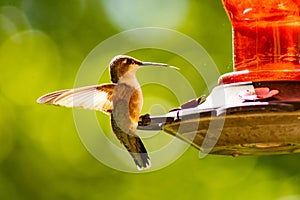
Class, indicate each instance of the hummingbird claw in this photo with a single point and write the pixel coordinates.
(144, 120)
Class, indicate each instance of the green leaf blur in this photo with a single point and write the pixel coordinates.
(42, 45)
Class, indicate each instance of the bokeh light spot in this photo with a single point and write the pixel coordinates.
(127, 14)
(27, 60)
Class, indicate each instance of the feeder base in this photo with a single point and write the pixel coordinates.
(226, 124)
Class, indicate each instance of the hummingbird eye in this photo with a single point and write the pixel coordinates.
(128, 61)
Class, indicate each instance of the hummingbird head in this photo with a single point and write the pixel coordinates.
(122, 64)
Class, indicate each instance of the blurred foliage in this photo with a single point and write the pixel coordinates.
(42, 45)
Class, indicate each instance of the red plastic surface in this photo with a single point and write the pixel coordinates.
(266, 38)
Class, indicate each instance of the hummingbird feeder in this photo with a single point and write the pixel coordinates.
(255, 110)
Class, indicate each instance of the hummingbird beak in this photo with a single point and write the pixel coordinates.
(158, 65)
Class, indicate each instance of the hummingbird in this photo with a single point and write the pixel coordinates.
(122, 100)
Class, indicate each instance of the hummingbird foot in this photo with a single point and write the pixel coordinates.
(144, 120)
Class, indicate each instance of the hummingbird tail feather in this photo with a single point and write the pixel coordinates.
(133, 144)
(141, 160)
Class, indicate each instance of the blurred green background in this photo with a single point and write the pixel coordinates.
(42, 45)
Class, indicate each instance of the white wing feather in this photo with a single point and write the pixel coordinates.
(96, 97)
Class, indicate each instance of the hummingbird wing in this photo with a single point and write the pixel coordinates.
(98, 97)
